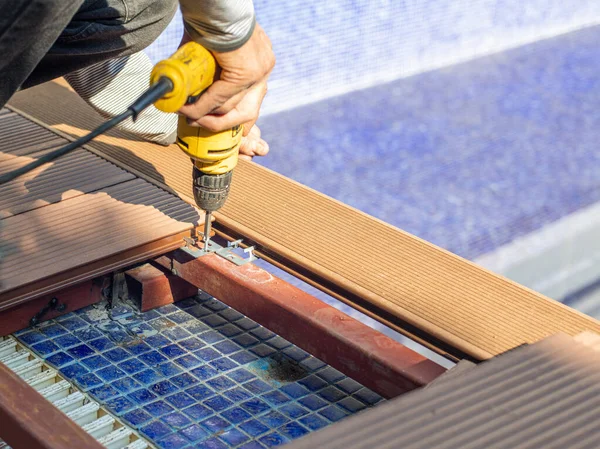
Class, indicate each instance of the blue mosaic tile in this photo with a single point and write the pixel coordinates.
(246, 340)
(220, 383)
(88, 380)
(176, 334)
(188, 361)
(224, 364)
(214, 304)
(262, 333)
(121, 311)
(196, 327)
(66, 341)
(273, 439)
(257, 386)
(73, 370)
(255, 406)
(243, 357)
(330, 374)
(234, 437)
(180, 317)
(312, 364)
(45, 348)
(218, 403)
(313, 383)
(30, 338)
(254, 428)
(226, 347)
(138, 348)
(252, 445)
(132, 366)
(276, 398)
(120, 405)
(295, 390)
(156, 430)
(95, 362)
(200, 392)
(294, 411)
(142, 396)
(198, 311)
(126, 385)
(192, 344)
(241, 375)
(116, 355)
(214, 320)
(110, 373)
(147, 376)
(184, 303)
(87, 333)
(150, 315)
(103, 392)
(169, 308)
(120, 336)
(332, 394)
(137, 417)
(349, 385)
(173, 351)
(230, 330)
(246, 323)
(163, 388)
(194, 433)
(212, 443)
(173, 441)
(211, 337)
(157, 341)
(168, 369)
(238, 394)
(333, 413)
(314, 422)
(177, 420)
(101, 344)
(197, 411)
(280, 343)
(184, 380)
(295, 353)
(59, 359)
(81, 351)
(53, 330)
(231, 314)
(367, 396)
(180, 400)
(236, 415)
(207, 354)
(274, 419)
(216, 424)
(72, 322)
(351, 405)
(152, 358)
(158, 408)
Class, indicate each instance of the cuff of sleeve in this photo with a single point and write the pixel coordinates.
(219, 43)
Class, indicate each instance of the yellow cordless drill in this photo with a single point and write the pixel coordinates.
(191, 70)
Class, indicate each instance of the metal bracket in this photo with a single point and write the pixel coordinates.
(224, 252)
(53, 304)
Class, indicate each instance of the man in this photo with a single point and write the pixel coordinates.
(43, 39)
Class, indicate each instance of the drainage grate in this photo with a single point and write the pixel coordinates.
(91, 416)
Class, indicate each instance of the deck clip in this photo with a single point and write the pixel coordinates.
(226, 252)
(53, 304)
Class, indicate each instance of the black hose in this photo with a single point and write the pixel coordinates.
(158, 90)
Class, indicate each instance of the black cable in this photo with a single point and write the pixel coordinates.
(158, 90)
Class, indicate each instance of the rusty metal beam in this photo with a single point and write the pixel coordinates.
(152, 287)
(28, 421)
(362, 353)
(68, 300)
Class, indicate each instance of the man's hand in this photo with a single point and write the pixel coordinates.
(236, 97)
(252, 145)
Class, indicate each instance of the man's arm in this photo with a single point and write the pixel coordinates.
(243, 51)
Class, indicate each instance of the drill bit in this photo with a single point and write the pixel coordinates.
(207, 229)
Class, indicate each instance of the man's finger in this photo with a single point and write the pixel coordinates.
(215, 97)
(216, 123)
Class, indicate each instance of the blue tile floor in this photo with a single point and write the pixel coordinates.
(468, 157)
(197, 374)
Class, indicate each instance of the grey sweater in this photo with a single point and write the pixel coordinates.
(219, 25)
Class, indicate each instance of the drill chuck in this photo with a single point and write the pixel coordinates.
(211, 191)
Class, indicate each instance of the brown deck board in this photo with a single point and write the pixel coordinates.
(405, 282)
(76, 217)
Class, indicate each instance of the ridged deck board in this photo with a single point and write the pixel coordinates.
(542, 396)
(405, 282)
(75, 212)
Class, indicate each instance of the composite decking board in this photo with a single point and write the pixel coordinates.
(539, 396)
(400, 279)
(70, 215)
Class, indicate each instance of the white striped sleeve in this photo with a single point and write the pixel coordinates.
(219, 25)
(110, 87)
